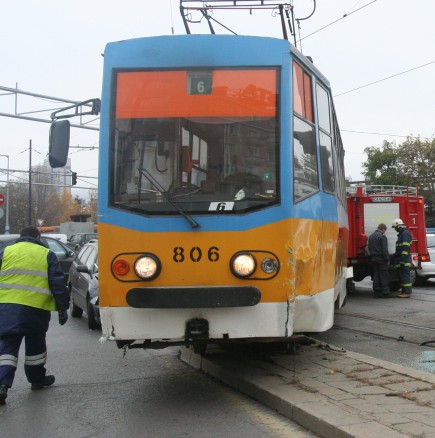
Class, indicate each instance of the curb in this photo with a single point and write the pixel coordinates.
(278, 390)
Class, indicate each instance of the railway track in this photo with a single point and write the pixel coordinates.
(395, 330)
(385, 334)
(388, 321)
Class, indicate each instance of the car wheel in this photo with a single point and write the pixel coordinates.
(420, 281)
(413, 276)
(76, 312)
(92, 322)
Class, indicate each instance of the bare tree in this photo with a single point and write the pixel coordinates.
(46, 205)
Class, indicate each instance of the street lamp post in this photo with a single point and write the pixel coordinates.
(7, 197)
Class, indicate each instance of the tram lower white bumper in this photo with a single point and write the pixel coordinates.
(266, 320)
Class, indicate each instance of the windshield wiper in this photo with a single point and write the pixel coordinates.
(166, 196)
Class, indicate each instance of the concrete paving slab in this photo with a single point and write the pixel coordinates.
(409, 386)
(332, 392)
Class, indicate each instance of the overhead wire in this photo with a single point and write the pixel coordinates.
(386, 78)
(390, 135)
(172, 20)
(351, 11)
(336, 21)
(354, 6)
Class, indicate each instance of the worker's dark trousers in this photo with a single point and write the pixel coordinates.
(405, 279)
(34, 362)
(381, 278)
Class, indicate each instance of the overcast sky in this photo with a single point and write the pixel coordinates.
(54, 48)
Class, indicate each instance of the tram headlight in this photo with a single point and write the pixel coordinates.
(243, 265)
(147, 267)
(269, 265)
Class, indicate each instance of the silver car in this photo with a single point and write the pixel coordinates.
(427, 267)
(83, 285)
(65, 255)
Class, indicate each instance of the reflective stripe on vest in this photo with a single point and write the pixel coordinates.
(21, 285)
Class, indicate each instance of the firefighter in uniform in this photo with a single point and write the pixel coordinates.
(31, 286)
(402, 257)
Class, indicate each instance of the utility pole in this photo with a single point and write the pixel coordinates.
(7, 228)
(30, 183)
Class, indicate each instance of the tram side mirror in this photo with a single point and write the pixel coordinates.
(59, 143)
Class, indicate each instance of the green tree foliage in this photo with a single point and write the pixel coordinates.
(408, 164)
(381, 164)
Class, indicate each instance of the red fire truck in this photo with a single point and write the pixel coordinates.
(370, 205)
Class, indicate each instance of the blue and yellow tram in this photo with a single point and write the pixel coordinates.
(222, 210)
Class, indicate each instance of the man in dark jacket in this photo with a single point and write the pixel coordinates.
(31, 286)
(402, 257)
(380, 259)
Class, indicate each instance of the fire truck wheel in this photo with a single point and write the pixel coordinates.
(350, 286)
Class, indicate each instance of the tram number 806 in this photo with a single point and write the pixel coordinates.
(195, 254)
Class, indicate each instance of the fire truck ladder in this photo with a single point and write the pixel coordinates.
(284, 9)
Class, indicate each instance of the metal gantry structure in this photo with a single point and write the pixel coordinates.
(45, 114)
(30, 115)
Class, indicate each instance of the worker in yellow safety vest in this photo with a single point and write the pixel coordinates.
(31, 286)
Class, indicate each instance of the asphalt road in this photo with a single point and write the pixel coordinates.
(394, 329)
(98, 393)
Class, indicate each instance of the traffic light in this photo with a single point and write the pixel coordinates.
(74, 178)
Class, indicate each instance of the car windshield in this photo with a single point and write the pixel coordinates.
(430, 240)
(195, 142)
(55, 246)
(8, 240)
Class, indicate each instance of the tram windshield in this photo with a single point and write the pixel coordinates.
(206, 141)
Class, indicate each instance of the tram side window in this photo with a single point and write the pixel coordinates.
(339, 161)
(305, 160)
(302, 96)
(325, 136)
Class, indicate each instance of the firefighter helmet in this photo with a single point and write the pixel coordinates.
(397, 223)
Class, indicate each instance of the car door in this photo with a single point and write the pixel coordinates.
(85, 277)
(75, 278)
(63, 254)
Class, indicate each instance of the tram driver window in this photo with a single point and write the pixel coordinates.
(305, 160)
